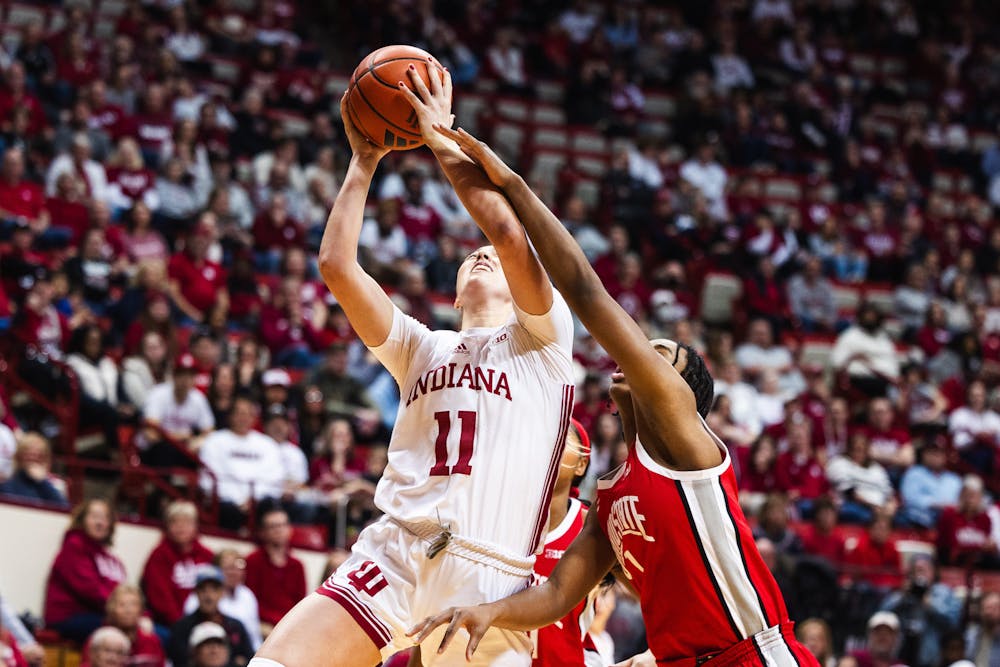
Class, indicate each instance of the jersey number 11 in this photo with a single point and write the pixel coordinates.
(466, 440)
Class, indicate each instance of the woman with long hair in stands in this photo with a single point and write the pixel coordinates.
(84, 573)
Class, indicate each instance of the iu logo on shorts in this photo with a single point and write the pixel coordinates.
(368, 578)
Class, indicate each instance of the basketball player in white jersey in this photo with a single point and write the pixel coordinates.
(477, 442)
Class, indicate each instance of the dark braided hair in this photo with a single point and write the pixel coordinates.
(696, 375)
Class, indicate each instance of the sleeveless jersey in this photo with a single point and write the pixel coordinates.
(482, 422)
(686, 547)
(561, 644)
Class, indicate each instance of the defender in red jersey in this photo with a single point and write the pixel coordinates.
(669, 514)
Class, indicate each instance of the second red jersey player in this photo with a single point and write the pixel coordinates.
(562, 644)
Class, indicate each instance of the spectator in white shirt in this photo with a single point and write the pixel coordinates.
(707, 176)
(244, 465)
(759, 353)
(975, 428)
(382, 243)
(8, 445)
(731, 69)
(175, 412)
(79, 162)
(237, 600)
(742, 396)
(866, 353)
(186, 44)
(278, 428)
(861, 481)
(507, 63)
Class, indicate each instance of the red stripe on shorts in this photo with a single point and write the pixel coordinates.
(366, 619)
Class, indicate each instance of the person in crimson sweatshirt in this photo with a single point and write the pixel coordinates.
(797, 471)
(276, 577)
(875, 559)
(964, 532)
(84, 573)
(172, 567)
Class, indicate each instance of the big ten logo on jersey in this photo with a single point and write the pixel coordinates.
(367, 578)
(625, 519)
(501, 338)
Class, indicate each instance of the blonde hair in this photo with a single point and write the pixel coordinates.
(120, 590)
(179, 509)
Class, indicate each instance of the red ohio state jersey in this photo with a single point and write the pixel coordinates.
(686, 547)
(561, 644)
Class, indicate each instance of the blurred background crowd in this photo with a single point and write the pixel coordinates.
(805, 190)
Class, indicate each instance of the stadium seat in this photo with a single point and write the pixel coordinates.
(660, 105)
(468, 106)
(19, 14)
(550, 91)
(718, 295)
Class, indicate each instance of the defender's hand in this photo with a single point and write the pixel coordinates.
(495, 169)
(476, 620)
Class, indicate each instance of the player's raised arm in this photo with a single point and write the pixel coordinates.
(365, 304)
(580, 569)
(650, 375)
(529, 286)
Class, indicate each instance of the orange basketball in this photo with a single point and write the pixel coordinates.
(376, 105)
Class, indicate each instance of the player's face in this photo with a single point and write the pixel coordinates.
(574, 462)
(668, 349)
(481, 271)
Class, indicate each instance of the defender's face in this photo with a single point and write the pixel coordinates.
(668, 349)
(482, 270)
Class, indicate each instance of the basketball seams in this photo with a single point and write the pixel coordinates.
(378, 106)
(372, 69)
(379, 114)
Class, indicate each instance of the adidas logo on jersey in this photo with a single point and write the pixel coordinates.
(461, 349)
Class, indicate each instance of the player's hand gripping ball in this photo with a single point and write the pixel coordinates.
(375, 103)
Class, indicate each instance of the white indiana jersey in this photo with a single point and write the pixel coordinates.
(481, 426)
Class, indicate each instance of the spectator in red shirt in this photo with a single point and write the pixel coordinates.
(935, 335)
(757, 477)
(15, 94)
(418, 219)
(20, 198)
(153, 126)
(130, 181)
(821, 537)
(125, 612)
(890, 446)
(875, 558)
(765, 297)
(197, 284)
(105, 116)
(797, 471)
(75, 68)
(289, 331)
(277, 578)
(84, 573)
(965, 532)
(629, 289)
(171, 569)
(274, 231)
(38, 325)
(68, 206)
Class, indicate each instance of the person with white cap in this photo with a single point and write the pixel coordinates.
(209, 646)
(883, 642)
(188, 633)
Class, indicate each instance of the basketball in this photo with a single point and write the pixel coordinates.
(377, 107)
